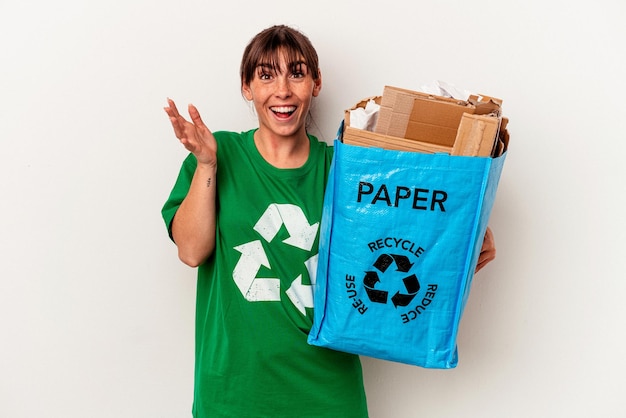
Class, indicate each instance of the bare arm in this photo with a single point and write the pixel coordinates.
(193, 226)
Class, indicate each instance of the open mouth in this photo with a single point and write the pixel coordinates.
(283, 111)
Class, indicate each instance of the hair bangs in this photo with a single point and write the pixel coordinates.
(272, 45)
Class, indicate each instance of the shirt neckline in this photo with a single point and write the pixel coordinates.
(281, 172)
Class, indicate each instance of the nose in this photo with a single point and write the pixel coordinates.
(283, 87)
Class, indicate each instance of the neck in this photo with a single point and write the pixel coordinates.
(283, 152)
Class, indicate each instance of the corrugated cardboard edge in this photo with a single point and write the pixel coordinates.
(353, 136)
(477, 135)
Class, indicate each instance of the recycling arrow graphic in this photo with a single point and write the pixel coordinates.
(301, 235)
(253, 289)
(382, 263)
(412, 286)
(300, 294)
(375, 295)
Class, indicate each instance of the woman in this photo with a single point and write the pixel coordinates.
(250, 223)
(251, 227)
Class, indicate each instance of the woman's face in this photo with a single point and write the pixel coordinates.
(282, 96)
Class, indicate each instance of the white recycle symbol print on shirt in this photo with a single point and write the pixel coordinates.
(253, 257)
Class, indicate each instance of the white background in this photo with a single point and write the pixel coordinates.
(96, 312)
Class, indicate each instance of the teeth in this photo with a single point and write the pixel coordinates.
(283, 109)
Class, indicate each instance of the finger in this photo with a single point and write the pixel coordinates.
(175, 118)
(489, 235)
(178, 129)
(172, 107)
(486, 256)
(195, 117)
(178, 122)
(484, 259)
(488, 241)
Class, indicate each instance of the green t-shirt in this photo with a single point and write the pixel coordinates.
(254, 294)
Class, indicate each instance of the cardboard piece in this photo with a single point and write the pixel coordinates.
(364, 138)
(415, 121)
(354, 136)
(476, 135)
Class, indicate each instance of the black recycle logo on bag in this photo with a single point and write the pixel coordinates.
(403, 267)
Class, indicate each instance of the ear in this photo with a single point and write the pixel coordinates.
(247, 92)
(318, 84)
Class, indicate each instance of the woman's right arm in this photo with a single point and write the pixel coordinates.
(193, 226)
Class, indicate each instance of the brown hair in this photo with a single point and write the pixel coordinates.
(269, 44)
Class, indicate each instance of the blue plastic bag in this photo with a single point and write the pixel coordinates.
(400, 237)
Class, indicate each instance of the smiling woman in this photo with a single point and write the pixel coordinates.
(255, 277)
(282, 92)
(280, 74)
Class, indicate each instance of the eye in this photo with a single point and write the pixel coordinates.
(299, 70)
(264, 72)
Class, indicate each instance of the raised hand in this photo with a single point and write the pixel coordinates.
(194, 135)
